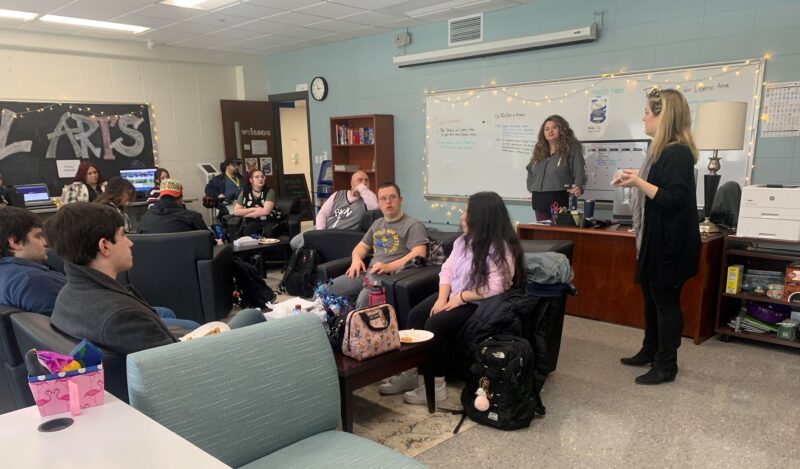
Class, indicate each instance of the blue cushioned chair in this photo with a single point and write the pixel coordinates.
(260, 396)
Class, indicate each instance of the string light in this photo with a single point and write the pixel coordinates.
(514, 94)
(75, 108)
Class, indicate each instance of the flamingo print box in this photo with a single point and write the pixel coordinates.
(52, 392)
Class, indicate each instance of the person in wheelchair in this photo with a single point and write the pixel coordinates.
(256, 206)
(223, 190)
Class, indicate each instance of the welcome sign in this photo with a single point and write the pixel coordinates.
(36, 139)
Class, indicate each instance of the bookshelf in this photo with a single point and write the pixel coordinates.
(364, 143)
(747, 252)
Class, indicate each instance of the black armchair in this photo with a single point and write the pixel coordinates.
(14, 392)
(290, 205)
(335, 249)
(34, 330)
(183, 272)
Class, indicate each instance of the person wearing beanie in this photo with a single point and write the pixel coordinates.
(169, 215)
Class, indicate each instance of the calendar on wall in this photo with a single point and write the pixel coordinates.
(781, 116)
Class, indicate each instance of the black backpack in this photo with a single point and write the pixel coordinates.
(298, 277)
(504, 367)
(254, 291)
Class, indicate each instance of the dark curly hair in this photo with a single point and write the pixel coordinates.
(566, 138)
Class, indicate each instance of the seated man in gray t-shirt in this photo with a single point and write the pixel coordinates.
(394, 240)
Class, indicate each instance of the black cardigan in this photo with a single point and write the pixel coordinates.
(670, 251)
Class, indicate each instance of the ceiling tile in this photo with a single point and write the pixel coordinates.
(205, 41)
(187, 27)
(169, 12)
(297, 19)
(371, 18)
(248, 10)
(283, 4)
(368, 31)
(236, 33)
(141, 20)
(336, 26)
(165, 35)
(217, 20)
(268, 27)
(103, 10)
(370, 4)
(329, 10)
(35, 6)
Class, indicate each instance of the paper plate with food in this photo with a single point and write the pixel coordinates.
(269, 241)
(413, 336)
(211, 328)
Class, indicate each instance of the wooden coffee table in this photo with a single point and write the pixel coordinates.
(354, 374)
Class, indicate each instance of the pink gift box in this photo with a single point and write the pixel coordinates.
(52, 392)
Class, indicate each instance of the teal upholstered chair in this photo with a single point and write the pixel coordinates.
(260, 396)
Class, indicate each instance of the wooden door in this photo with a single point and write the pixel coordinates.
(249, 134)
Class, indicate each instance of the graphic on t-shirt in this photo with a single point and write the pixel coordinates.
(387, 240)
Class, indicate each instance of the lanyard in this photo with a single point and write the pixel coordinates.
(234, 181)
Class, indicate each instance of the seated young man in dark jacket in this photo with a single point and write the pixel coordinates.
(93, 305)
(169, 215)
(26, 282)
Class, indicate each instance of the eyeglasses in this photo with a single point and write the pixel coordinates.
(388, 198)
(655, 93)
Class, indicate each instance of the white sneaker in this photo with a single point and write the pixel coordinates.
(405, 381)
(417, 396)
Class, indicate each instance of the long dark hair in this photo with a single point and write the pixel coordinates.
(159, 174)
(116, 189)
(566, 137)
(84, 168)
(490, 238)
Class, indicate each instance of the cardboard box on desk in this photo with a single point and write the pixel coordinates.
(52, 393)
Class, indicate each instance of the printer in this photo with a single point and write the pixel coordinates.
(770, 211)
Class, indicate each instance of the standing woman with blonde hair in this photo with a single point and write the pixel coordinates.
(557, 168)
(667, 234)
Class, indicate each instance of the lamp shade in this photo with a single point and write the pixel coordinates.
(720, 125)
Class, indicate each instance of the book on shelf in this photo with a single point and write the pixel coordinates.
(346, 167)
(345, 135)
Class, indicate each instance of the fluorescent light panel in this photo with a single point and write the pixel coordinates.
(18, 15)
(93, 24)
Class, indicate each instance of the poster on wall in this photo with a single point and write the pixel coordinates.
(598, 115)
(250, 164)
(266, 166)
(45, 142)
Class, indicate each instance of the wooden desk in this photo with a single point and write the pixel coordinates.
(604, 261)
(113, 435)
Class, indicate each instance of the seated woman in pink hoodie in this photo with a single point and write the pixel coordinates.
(486, 261)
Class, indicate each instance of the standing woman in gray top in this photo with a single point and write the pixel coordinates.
(556, 169)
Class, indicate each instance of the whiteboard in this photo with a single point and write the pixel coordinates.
(482, 139)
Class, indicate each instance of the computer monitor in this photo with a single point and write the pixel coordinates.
(33, 193)
(142, 179)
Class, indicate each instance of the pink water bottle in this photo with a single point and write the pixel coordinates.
(377, 294)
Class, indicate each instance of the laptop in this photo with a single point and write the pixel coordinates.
(35, 195)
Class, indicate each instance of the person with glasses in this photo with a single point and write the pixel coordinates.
(393, 240)
(256, 204)
(665, 220)
(556, 169)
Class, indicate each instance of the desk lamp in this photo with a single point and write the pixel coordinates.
(718, 126)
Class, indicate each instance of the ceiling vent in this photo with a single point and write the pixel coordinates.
(465, 30)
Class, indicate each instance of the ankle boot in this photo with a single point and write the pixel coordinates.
(642, 358)
(657, 376)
